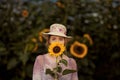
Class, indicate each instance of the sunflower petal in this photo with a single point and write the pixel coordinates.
(56, 49)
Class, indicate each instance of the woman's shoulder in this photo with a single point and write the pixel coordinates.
(73, 63)
(72, 60)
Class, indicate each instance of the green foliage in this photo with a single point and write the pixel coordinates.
(58, 69)
(98, 18)
(64, 62)
(67, 71)
(50, 72)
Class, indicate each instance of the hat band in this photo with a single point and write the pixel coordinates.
(57, 34)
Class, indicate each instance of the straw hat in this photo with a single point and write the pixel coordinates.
(57, 30)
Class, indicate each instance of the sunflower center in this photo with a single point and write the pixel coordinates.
(78, 49)
(56, 49)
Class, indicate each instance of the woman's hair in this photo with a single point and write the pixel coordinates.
(48, 41)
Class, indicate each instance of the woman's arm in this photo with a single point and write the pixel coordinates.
(37, 68)
(74, 67)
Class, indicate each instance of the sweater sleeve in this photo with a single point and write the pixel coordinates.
(74, 67)
(37, 68)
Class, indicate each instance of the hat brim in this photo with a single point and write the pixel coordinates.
(45, 35)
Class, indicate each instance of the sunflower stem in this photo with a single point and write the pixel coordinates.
(56, 77)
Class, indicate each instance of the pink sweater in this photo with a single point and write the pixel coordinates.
(42, 62)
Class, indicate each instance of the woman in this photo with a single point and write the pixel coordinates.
(57, 34)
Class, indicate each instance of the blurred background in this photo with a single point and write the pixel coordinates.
(94, 25)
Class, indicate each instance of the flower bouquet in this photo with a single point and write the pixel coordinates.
(56, 49)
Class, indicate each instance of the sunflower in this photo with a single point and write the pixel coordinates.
(89, 38)
(34, 40)
(60, 5)
(78, 49)
(40, 34)
(56, 49)
(35, 48)
(25, 13)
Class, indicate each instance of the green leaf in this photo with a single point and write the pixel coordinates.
(58, 69)
(67, 71)
(50, 72)
(64, 62)
(24, 58)
(12, 63)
